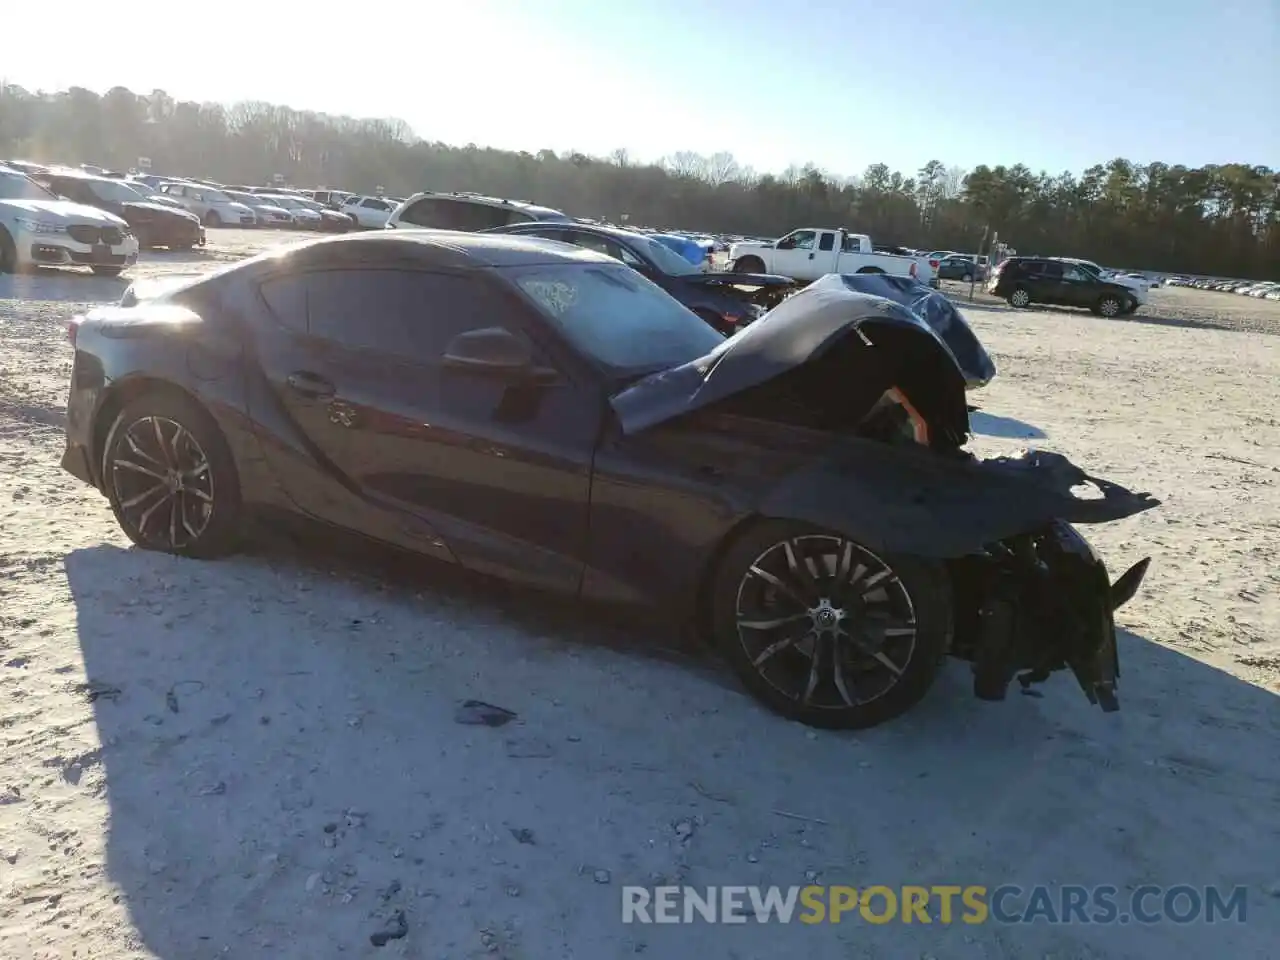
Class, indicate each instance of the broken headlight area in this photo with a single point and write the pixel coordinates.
(1031, 605)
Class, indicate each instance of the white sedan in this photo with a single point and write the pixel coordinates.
(38, 229)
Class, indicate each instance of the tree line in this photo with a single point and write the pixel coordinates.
(1220, 220)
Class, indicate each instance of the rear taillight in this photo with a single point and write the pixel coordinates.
(935, 263)
(73, 327)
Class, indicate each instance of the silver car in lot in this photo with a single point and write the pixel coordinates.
(213, 206)
(268, 212)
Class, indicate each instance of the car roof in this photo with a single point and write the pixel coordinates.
(484, 200)
(451, 248)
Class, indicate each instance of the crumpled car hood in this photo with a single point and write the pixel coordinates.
(800, 330)
(911, 500)
(937, 310)
(725, 279)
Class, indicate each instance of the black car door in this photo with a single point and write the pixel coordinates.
(499, 472)
(1080, 288)
(1044, 279)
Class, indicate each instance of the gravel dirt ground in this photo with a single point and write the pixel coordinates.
(259, 757)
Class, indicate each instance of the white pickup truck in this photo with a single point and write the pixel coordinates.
(811, 252)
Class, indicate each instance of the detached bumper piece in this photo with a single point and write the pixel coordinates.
(1044, 603)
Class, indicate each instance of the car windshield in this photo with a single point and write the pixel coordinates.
(214, 196)
(141, 189)
(113, 191)
(15, 186)
(626, 323)
(666, 259)
(287, 202)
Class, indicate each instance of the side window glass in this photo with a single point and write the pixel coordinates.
(286, 298)
(805, 239)
(827, 242)
(591, 242)
(420, 214)
(629, 258)
(405, 314)
(1052, 271)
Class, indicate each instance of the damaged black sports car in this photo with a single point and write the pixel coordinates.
(550, 416)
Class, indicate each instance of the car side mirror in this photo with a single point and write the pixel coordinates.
(496, 352)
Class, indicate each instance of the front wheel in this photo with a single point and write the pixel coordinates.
(824, 631)
(967, 278)
(8, 253)
(1019, 298)
(170, 477)
(212, 219)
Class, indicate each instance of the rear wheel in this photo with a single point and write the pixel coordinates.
(170, 477)
(106, 271)
(967, 278)
(212, 219)
(1109, 306)
(871, 270)
(1019, 298)
(824, 631)
(748, 265)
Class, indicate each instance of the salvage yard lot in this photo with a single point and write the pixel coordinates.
(260, 756)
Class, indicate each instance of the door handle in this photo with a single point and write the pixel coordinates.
(811, 256)
(310, 385)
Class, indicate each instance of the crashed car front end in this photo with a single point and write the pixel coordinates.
(1041, 601)
(1029, 595)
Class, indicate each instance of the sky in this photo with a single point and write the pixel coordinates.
(839, 83)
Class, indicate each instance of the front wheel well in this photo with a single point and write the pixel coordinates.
(707, 576)
(119, 396)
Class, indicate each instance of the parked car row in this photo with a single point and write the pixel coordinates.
(1262, 290)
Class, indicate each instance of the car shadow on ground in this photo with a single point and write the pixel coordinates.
(62, 285)
(1008, 428)
(282, 762)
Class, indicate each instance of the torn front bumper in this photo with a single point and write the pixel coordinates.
(1040, 603)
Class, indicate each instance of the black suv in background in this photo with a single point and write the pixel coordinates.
(1027, 280)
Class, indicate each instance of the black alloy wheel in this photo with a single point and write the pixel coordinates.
(826, 632)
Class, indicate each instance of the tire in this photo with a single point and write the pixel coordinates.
(8, 253)
(794, 646)
(212, 219)
(1108, 306)
(967, 278)
(1020, 298)
(106, 271)
(204, 513)
(748, 265)
(180, 247)
(871, 270)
